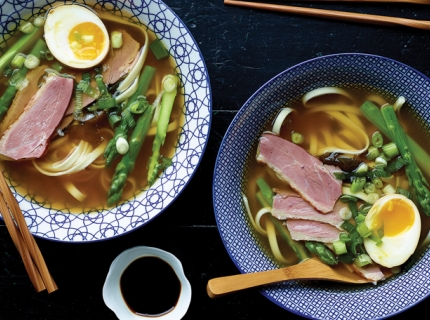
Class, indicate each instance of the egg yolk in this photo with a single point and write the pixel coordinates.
(86, 40)
(394, 217)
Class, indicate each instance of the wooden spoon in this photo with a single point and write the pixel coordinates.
(312, 269)
(336, 15)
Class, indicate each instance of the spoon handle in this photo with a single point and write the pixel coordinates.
(223, 285)
(336, 15)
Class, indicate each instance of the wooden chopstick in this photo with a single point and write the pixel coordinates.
(332, 14)
(24, 241)
(374, 1)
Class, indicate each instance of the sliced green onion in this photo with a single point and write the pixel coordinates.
(372, 153)
(347, 226)
(389, 189)
(372, 197)
(390, 149)
(31, 61)
(363, 230)
(357, 184)
(26, 27)
(158, 49)
(345, 213)
(362, 168)
(18, 61)
(122, 145)
(381, 161)
(369, 187)
(106, 103)
(360, 218)
(364, 208)
(378, 183)
(297, 138)
(377, 139)
(362, 260)
(39, 21)
(343, 236)
(116, 39)
(339, 247)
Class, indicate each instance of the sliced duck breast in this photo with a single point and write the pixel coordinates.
(305, 173)
(307, 230)
(292, 206)
(370, 271)
(29, 135)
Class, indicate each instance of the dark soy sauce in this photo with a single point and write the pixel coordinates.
(150, 287)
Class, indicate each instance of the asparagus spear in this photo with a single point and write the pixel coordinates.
(373, 114)
(170, 85)
(124, 125)
(415, 177)
(126, 165)
(11, 90)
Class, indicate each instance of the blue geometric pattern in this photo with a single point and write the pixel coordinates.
(61, 225)
(315, 300)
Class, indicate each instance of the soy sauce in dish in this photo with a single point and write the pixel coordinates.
(150, 286)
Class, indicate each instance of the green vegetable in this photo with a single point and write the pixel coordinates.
(339, 247)
(297, 138)
(415, 177)
(9, 94)
(362, 260)
(123, 126)
(373, 114)
(170, 86)
(298, 247)
(266, 191)
(390, 150)
(372, 153)
(116, 39)
(322, 252)
(128, 161)
(377, 139)
(358, 184)
(158, 49)
(22, 45)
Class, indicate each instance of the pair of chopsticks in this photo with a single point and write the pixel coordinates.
(340, 15)
(22, 238)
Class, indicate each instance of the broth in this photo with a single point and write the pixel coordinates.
(308, 124)
(94, 181)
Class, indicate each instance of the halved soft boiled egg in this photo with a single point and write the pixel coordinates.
(76, 36)
(400, 221)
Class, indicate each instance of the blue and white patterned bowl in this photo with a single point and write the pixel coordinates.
(310, 299)
(61, 225)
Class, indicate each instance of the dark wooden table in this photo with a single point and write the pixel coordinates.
(243, 49)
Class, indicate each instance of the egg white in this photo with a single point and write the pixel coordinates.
(59, 22)
(394, 250)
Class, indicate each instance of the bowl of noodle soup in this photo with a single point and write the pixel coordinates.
(59, 217)
(363, 77)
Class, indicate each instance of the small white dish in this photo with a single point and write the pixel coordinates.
(112, 294)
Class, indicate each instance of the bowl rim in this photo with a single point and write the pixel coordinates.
(203, 106)
(235, 123)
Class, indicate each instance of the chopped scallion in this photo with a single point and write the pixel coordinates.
(116, 39)
(339, 247)
(372, 153)
(26, 27)
(362, 260)
(297, 138)
(377, 139)
(158, 49)
(390, 150)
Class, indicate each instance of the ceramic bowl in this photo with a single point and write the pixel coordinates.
(58, 223)
(310, 299)
(114, 299)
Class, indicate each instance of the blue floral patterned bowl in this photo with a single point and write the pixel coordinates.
(311, 299)
(61, 225)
